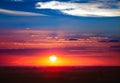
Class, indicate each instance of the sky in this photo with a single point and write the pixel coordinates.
(78, 31)
(101, 16)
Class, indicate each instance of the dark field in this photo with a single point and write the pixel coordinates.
(59, 74)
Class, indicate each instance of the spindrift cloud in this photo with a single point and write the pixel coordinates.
(97, 9)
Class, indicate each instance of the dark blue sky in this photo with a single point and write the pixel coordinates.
(24, 14)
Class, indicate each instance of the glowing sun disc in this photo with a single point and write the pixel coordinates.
(53, 58)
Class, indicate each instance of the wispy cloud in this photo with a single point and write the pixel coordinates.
(17, 0)
(20, 13)
(98, 9)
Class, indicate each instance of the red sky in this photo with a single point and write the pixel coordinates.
(62, 60)
(27, 47)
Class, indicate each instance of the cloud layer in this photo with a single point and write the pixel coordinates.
(20, 13)
(94, 8)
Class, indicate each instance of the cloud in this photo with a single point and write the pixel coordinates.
(17, 0)
(20, 13)
(97, 9)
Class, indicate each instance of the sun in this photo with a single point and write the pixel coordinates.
(52, 58)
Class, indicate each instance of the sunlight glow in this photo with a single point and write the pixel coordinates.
(53, 58)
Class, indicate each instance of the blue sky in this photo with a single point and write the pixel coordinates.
(84, 15)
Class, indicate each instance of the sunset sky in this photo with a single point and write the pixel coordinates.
(78, 32)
